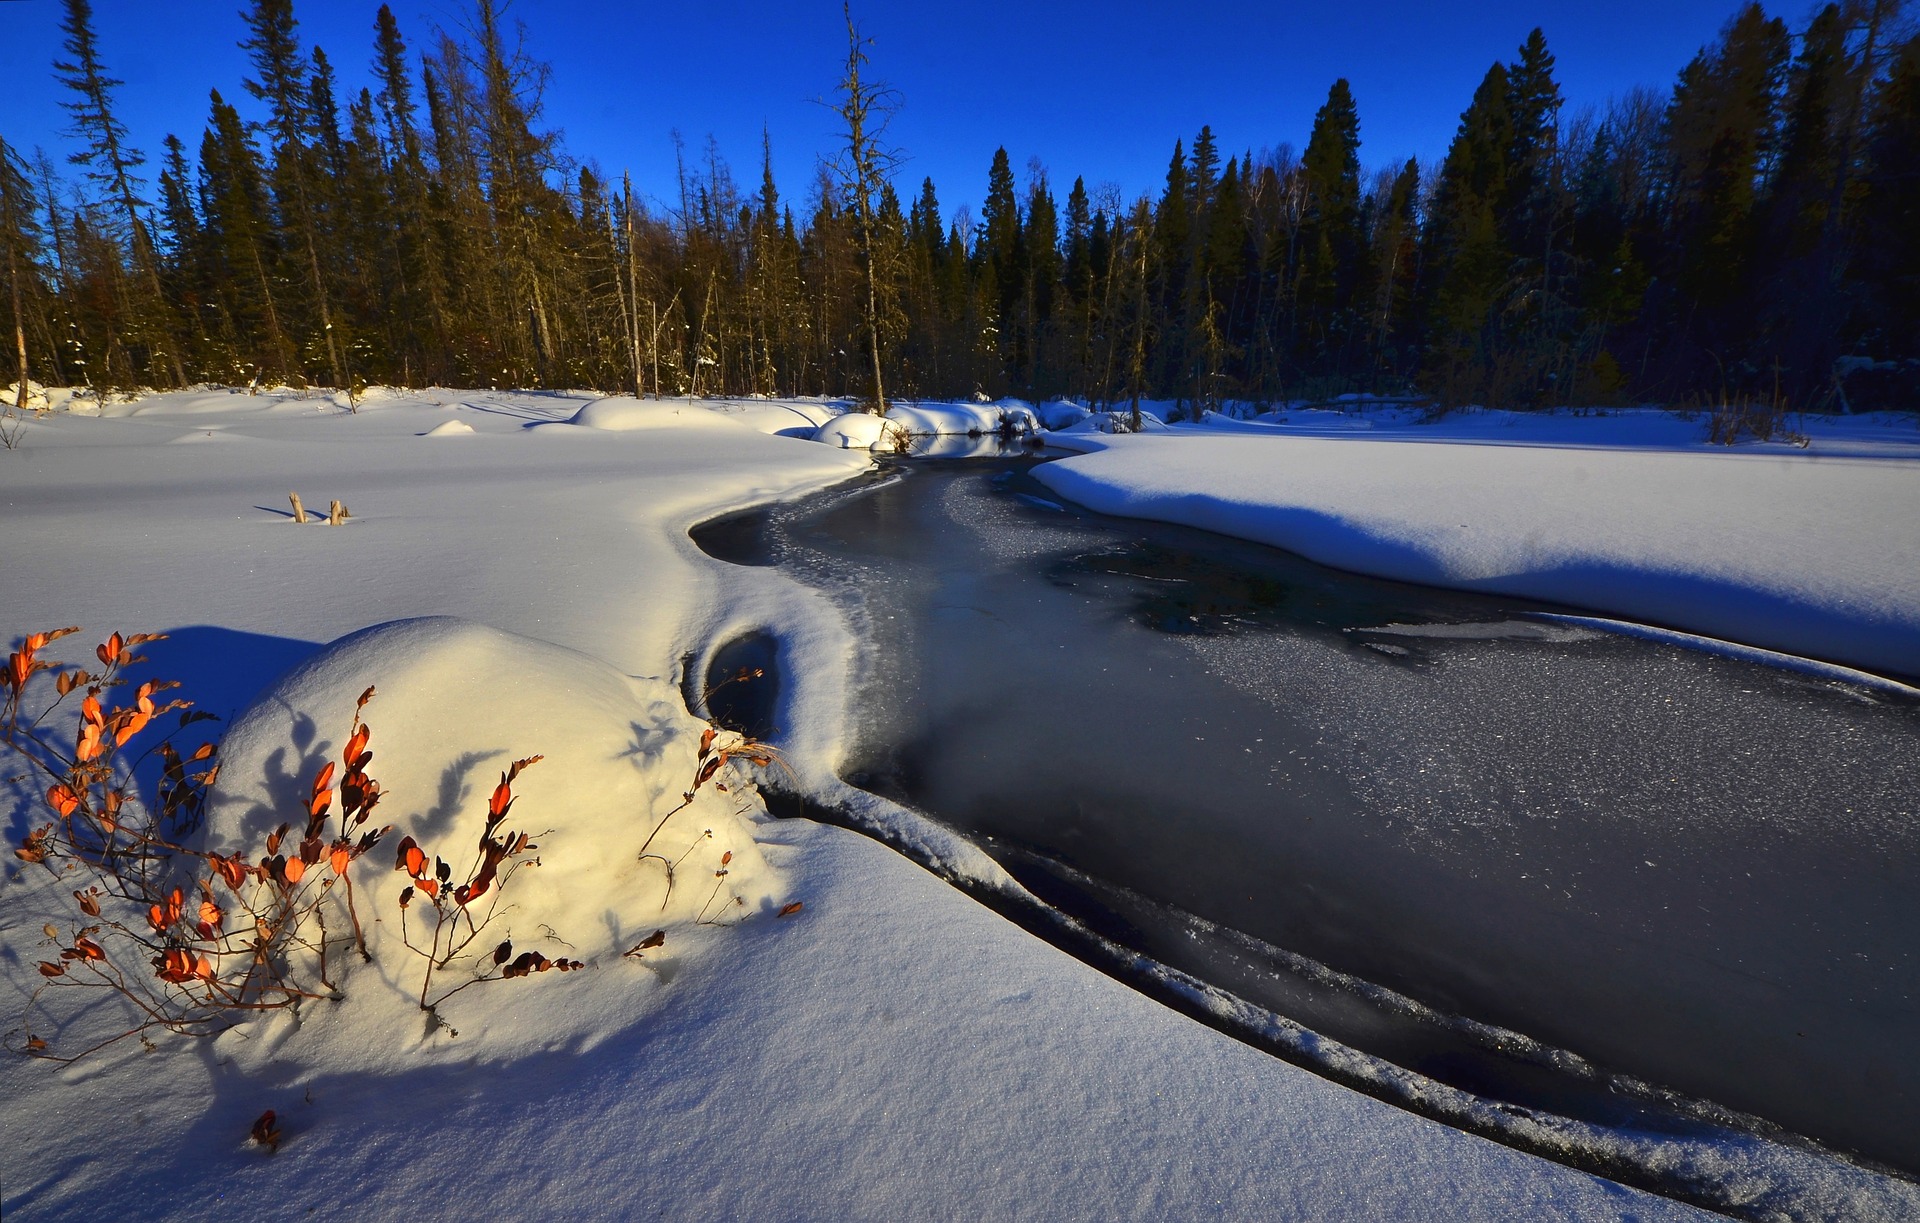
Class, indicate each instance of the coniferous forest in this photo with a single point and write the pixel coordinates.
(1751, 231)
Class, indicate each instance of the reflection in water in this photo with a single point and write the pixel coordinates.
(1688, 869)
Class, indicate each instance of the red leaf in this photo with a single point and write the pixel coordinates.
(648, 943)
(266, 1130)
(788, 910)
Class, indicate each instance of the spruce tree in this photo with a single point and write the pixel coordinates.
(1888, 257)
(1205, 171)
(1722, 137)
(1332, 236)
(111, 166)
(240, 244)
(1170, 268)
(280, 80)
(1396, 269)
(1040, 276)
(1533, 106)
(998, 251)
(19, 257)
(1467, 259)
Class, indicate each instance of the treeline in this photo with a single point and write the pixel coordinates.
(1738, 236)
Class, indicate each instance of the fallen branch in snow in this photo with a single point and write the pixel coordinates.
(337, 512)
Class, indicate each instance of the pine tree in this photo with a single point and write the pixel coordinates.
(1040, 277)
(1800, 313)
(240, 245)
(19, 257)
(1205, 172)
(280, 80)
(1077, 282)
(1888, 257)
(1332, 236)
(1722, 144)
(1396, 270)
(1466, 258)
(112, 166)
(1170, 265)
(421, 292)
(182, 255)
(998, 258)
(1533, 105)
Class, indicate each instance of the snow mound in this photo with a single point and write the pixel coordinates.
(860, 431)
(1120, 420)
(782, 418)
(925, 419)
(456, 704)
(450, 428)
(624, 414)
(36, 394)
(1061, 414)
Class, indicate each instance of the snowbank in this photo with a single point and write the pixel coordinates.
(860, 431)
(892, 1050)
(624, 414)
(923, 418)
(1786, 550)
(1118, 420)
(1061, 413)
(783, 417)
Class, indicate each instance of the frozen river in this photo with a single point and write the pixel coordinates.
(1311, 789)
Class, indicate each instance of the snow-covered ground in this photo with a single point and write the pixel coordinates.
(891, 1050)
(1810, 550)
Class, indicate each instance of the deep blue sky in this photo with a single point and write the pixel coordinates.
(1100, 89)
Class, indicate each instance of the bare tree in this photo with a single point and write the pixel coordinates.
(864, 166)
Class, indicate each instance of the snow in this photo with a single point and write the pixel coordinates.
(1118, 420)
(891, 1050)
(1061, 413)
(860, 431)
(1810, 551)
(923, 418)
(625, 414)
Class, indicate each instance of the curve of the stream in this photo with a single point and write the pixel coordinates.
(1419, 822)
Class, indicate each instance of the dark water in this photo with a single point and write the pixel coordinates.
(1691, 870)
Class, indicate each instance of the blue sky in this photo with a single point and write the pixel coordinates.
(1100, 89)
